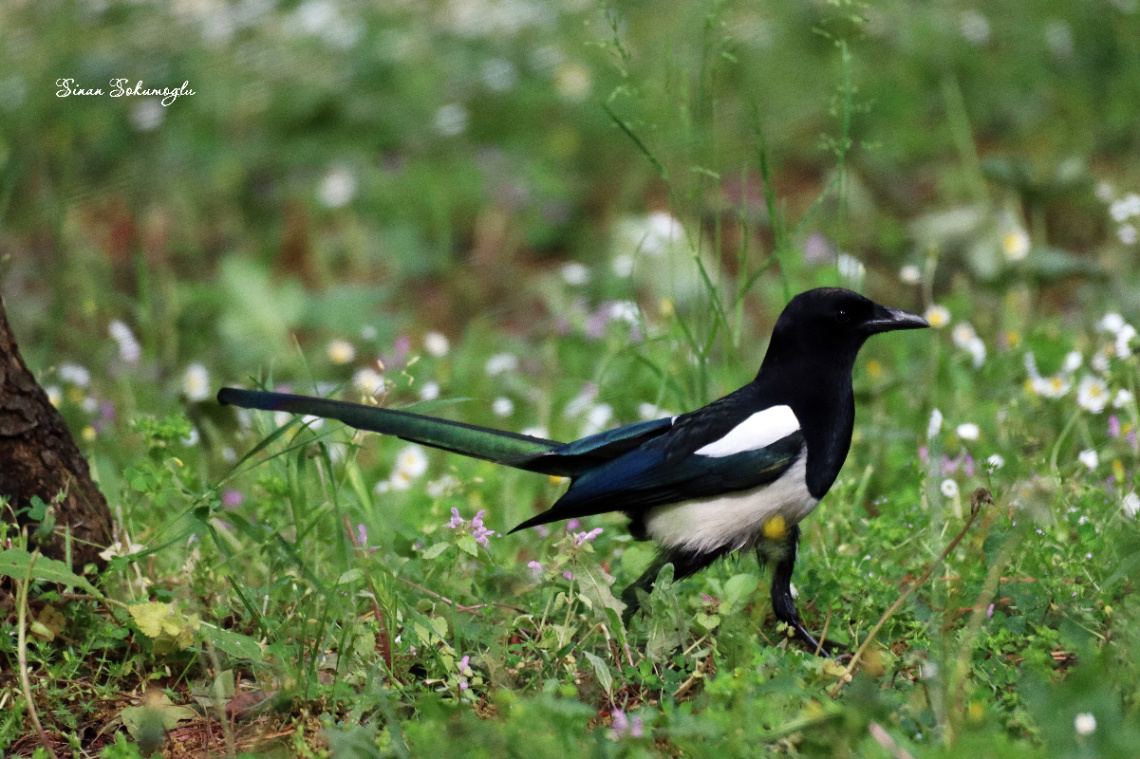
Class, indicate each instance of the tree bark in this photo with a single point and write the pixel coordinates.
(39, 457)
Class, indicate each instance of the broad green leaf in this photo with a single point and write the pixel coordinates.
(14, 563)
(602, 670)
(235, 644)
(436, 550)
(350, 576)
(468, 544)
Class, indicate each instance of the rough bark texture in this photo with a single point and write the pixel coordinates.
(39, 457)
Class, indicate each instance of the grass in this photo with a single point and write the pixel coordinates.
(283, 587)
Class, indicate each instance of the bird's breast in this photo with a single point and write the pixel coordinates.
(735, 520)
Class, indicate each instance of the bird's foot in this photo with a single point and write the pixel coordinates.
(820, 648)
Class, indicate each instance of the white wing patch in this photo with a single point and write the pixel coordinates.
(732, 521)
(757, 431)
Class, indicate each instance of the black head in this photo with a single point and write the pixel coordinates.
(830, 324)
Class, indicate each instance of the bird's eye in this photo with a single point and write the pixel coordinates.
(842, 316)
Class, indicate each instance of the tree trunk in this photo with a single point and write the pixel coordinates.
(39, 457)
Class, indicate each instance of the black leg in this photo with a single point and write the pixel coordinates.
(685, 564)
(782, 603)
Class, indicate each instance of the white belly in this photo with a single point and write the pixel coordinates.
(731, 522)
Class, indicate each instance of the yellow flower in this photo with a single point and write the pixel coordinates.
(88, 434)
(341, 351)
(875, 368)
(1013, 338)
(1015, 244)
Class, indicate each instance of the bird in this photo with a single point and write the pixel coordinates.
(738, 474)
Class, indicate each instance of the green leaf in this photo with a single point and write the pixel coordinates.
(602, 671)
(468, 544)
(737, 590)
(14, 563)
(350, 576)
(436, 550)
(235, 644)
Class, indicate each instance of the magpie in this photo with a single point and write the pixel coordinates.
(739, 473)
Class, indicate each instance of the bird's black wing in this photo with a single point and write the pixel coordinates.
(684, 463)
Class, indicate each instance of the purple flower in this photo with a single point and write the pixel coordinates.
(535, 567)
(587, 537)
(572, 525)
(231, 499)
(624, 726)
(990, 612)
(361, 535)
(481, 533)
(568, 575)
(456, 520)
(1113, 426)
(923, 454)
(542, 530)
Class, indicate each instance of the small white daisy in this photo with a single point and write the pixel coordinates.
(994, 463)
(934, 426)
(501, 363)
(1122, 398)
(337, 188)
(340, 351)
(575, 273)
(503, 407)
(368, 381)
(196, 382)
(412, 461)
(1131, 504)
(1092, 394)
(1085, 724)
(968, 431)
(1015, 244)
(1089, 458)
(429, 391)
(949, 488)
(77, 375)
(937, 316)
(910, 275)
(436, 344)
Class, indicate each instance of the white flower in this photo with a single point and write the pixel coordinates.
(451, 120)
(977, 351)
(994, 463)
(934, 426)
(1015, 244)
(1111, 322)
(1127, 234)
(429, 391)
(1072, 362)
(536, 431)
(950, 488)
(340, 351)
(1092, 394)
(1056, 386)
(975, 27)
(54, 394)
(147, 115)
(129, 349)
(442, 486)
(281, 418)
(910, 275)
(312, 422)
(1089, 458)
(412, 461)
(196, 383)
(501, 363)
(597, 418)
(368, 381)
(963, 334)
(850, 269)
(661, 231)
(337, 188)
(1099, 362)
(624, 310)
(622, 266)
(648, 411)
(503, 407)
(1131, 504)
(1085, 724)
(75, 374)
(1104, 191)
(89, 404)
(499, 74)
(398, 480)
(1124, 209)
(436, 344)
(937, 316)
(368, 332)
(572, 81)
(1122, 399)
(575, 273)
(1123, 338)
(968, 431)
(192, 439)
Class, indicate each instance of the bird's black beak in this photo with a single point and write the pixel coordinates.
(887, 319)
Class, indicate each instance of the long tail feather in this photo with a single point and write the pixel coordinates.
(485, 443)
